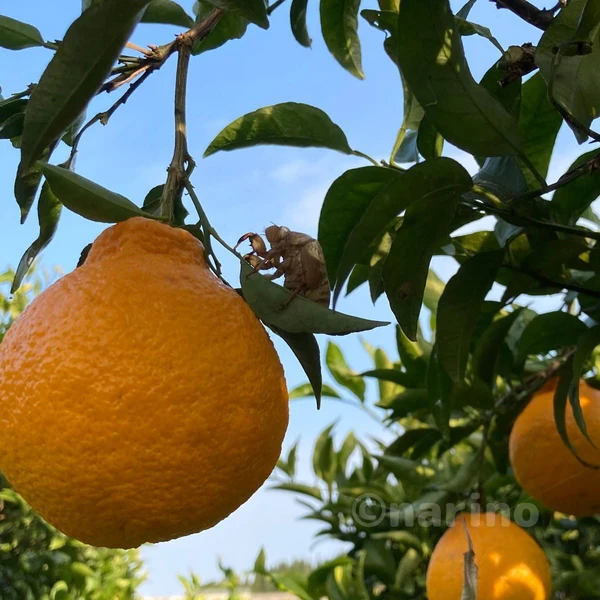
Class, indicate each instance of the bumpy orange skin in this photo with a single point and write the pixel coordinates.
(542, 463)
(511, 564)
(140, 398)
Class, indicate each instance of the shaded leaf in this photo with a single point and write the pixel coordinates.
(342, 373)
(339, 25)
(168, 12)
(502, 176)
(287, 124)
(16, 35)
(298, 22)
(508, 95)
(268, 299)
(439, 387)
(392, 375)
(459, 309)
(467, 28)
(27, 183)
(231, 26)
(253, 10)
(434, 200)
(12, 127)
(324, 456)
(430, 143)
(79, 67)
(437, 72)
(87, 198)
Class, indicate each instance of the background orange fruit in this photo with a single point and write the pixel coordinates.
(545, 467)
(140, 397)
(511, 564)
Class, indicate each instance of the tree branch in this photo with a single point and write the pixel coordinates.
(538, 17)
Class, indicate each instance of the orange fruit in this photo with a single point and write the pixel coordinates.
(545, 467)
(140, 397)
(511, 565)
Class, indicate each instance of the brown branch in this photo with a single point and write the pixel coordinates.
(538, 17)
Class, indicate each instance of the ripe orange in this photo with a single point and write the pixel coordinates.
(511, 564)
(545, 467)
(140, 397)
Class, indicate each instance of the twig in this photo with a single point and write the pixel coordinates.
(538, 17)
(274, 6)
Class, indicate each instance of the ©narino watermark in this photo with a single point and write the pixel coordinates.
(369, 510)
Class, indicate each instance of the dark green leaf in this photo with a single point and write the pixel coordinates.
(12, 127)
(323, 455)
(575, 80)
(73, 129)
(49, 209)
(16, 35)
(488, 348)
(342, 373)
(287, 124)
(11, 106)
(570, 201)
(437, 72)
(434, 190)
(339, 24)
(502, 176)
(404, 469)
(539, 123)
(407, 152)
(406, 403)
(459, 308)
(430, 143)
(392, 375)
(411, 437)
(231, 26)
(168, 12)
(463, 13)
(306, 350)
(267, 300)
(359, 275)
(79, 67)
(550, 331)
(27, 183)
(87, 198)
(298, 22)
(253, 10)
(467, 475)
(439, 387)
(508, 95)
(467, 28)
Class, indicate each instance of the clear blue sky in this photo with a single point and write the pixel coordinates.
(241, 191)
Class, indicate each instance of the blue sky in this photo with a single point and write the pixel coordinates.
(242, 191)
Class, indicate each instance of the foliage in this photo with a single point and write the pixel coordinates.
(37, 562)
(454, 393)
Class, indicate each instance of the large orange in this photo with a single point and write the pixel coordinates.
(511, 565)
(140, 397)
(545, 467)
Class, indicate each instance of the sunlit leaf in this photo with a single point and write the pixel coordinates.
(16, 35)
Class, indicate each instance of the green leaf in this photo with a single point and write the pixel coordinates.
(405, 469)
(348, 447)
(168, 12)
(539, 123)
(508, 95)
(49, 209)
(570, 201)
(287, 124)
(16, 35)
(467, 28)
(73, 129)
(12, 127)
(430, 143)
(459, 309)
(306, 390)
(392, 375)
(502, 176)
(260, 563)
(439, 387)
(231, 26)
(253, 10)
(575, 80)
(434, 195)
(437, 72)
(27, 183)
(299, 488)
(11, 106)
(324, 456)
(268, 299)
(298, 22)
(342, 373)
(412, 437)
(339, 24)
(87, 198)
(76, 72)
(550, 331)
(463, 13)
(488, 348)
(306, 350)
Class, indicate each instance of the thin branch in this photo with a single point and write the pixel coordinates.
(274, 6)
(538, 17)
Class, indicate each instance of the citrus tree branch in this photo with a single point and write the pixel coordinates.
(538, 17)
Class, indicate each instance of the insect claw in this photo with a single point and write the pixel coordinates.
(245, 237)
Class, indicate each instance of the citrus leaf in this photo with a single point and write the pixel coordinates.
(323, 455)
(306, 350)
(439, 387)
(434, 198)
(550, 331)
(253, 10)
(76, 72)
(231, 26)
(467, 28)
(459, 308)
(342, 373)
(267, 300)
(306, 390)
(463, 13)
(404, 469)
(87, 198)
(13, 126)
(561, 396)
(27, 183)
(11, 106)
(467, 475)
(412, 437)
(298, 488)
(339, 24)
(298, 22)
(73, 129)
(287, 124)
(16, 35)
(168, 12)
(49, 209)
(437, 72)
(430, 143)
(392, 375)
